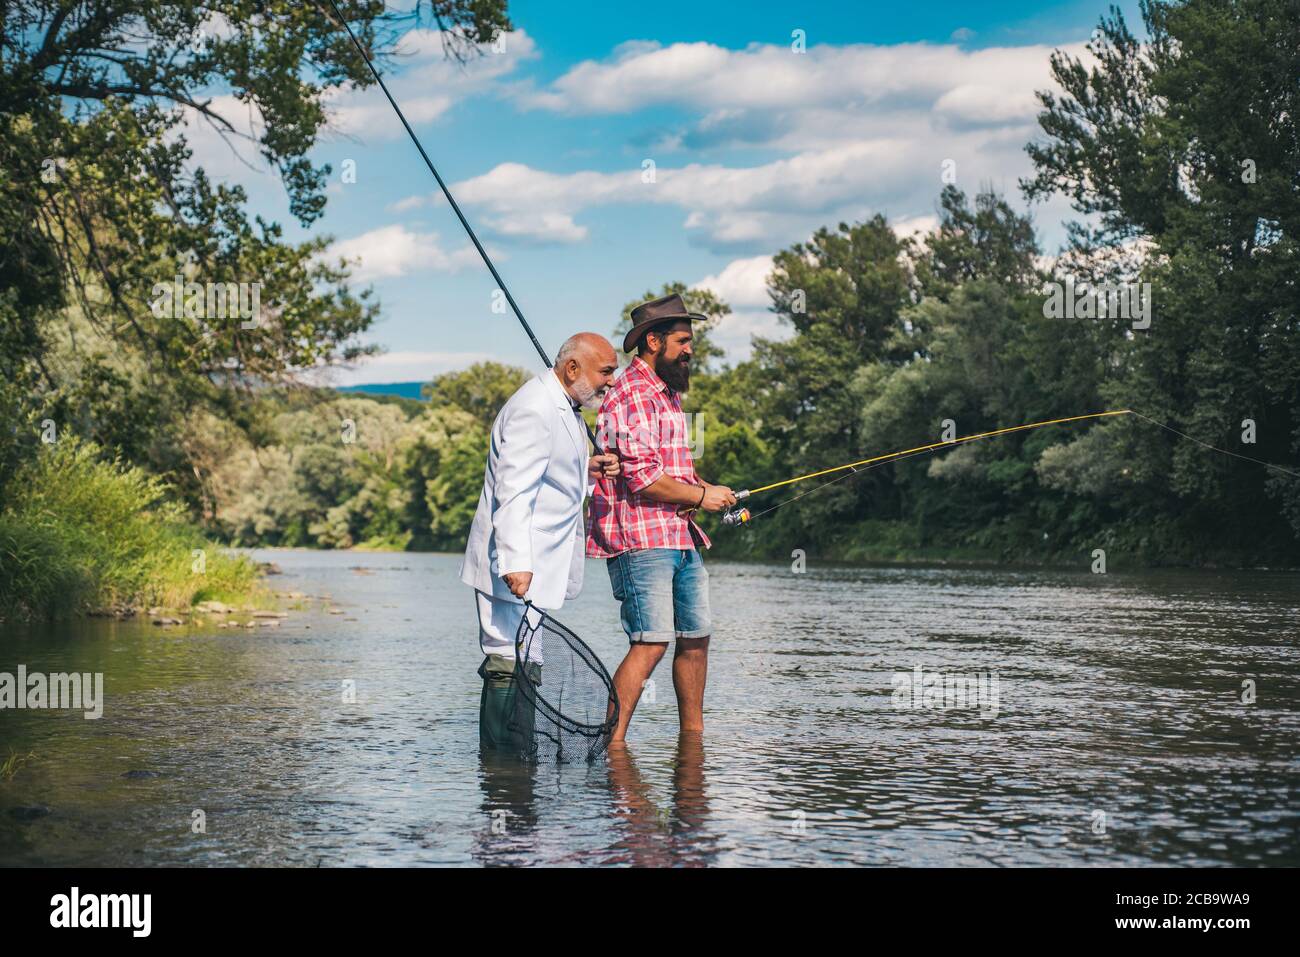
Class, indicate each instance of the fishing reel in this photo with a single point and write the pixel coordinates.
(737, 514)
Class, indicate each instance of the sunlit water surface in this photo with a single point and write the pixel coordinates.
(1120, 736)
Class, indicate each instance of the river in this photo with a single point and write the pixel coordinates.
(1146, 718)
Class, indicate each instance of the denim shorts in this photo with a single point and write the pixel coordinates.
(664, 591)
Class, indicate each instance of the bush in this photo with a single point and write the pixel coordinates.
(80, 533)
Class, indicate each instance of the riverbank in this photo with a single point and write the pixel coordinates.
(81, 535)
(892, 555)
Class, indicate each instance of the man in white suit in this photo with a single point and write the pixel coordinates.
(527, 539)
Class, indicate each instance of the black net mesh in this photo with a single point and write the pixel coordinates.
(565, 708)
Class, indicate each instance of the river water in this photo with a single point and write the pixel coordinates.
(1139, 719)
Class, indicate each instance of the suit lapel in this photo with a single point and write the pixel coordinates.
(571, 420)
(566, 414)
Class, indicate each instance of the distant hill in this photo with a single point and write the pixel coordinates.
(406, 390)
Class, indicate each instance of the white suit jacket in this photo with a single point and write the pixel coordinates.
(529, 516)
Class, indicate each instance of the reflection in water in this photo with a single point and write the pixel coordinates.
(655, 835)
(509, 807)
(1121, 737)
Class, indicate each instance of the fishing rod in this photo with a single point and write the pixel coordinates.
(487, 260)
(739, 515)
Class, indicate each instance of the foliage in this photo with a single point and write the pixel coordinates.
(1179, 151)
(338, 472)
(79, 533)
(104, 210)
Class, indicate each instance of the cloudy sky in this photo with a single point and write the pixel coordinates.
(549, 144)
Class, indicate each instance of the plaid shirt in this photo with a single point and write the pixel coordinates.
(641, 418)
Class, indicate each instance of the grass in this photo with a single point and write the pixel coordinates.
(79, 533)
(9, 767)
(397, 542)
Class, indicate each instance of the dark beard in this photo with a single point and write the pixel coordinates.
(677, 375)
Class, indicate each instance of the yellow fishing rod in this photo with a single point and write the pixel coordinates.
(739, 515)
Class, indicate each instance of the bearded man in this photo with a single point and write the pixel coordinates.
(643, 526)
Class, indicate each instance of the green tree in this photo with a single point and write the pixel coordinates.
(102, 207)
(481, 390)
(1184, 147)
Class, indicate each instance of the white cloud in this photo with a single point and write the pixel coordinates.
(914, 226)
(742, 282)
(866, 128)
(758, 206)
(409, 203)
(425, 82)
(734, 334)
(353, 115)
(984, 104)
(540, 227)
(703, 76)
(225, 155)
(396, 251)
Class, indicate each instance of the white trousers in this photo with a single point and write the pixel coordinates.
(498, 624)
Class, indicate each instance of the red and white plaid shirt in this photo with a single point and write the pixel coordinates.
(641, 418)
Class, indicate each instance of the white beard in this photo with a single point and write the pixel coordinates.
(588, 397)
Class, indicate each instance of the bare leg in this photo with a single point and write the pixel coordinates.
(631, 676)
(690, 672)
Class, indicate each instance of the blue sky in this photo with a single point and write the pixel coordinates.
(754, 146)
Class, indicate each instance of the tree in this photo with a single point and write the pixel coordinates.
(854, 281)
(481, 390)
(1184, 147)
(105, 215)
(989, 241)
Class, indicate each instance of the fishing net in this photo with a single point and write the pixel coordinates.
(565, 708)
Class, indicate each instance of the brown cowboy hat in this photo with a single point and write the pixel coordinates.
(650, 314)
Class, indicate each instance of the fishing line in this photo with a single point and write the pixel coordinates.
(938, 445)
(575, 679)
(1238, 455)
(846, 475)
(739, 515)
(487, 260)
